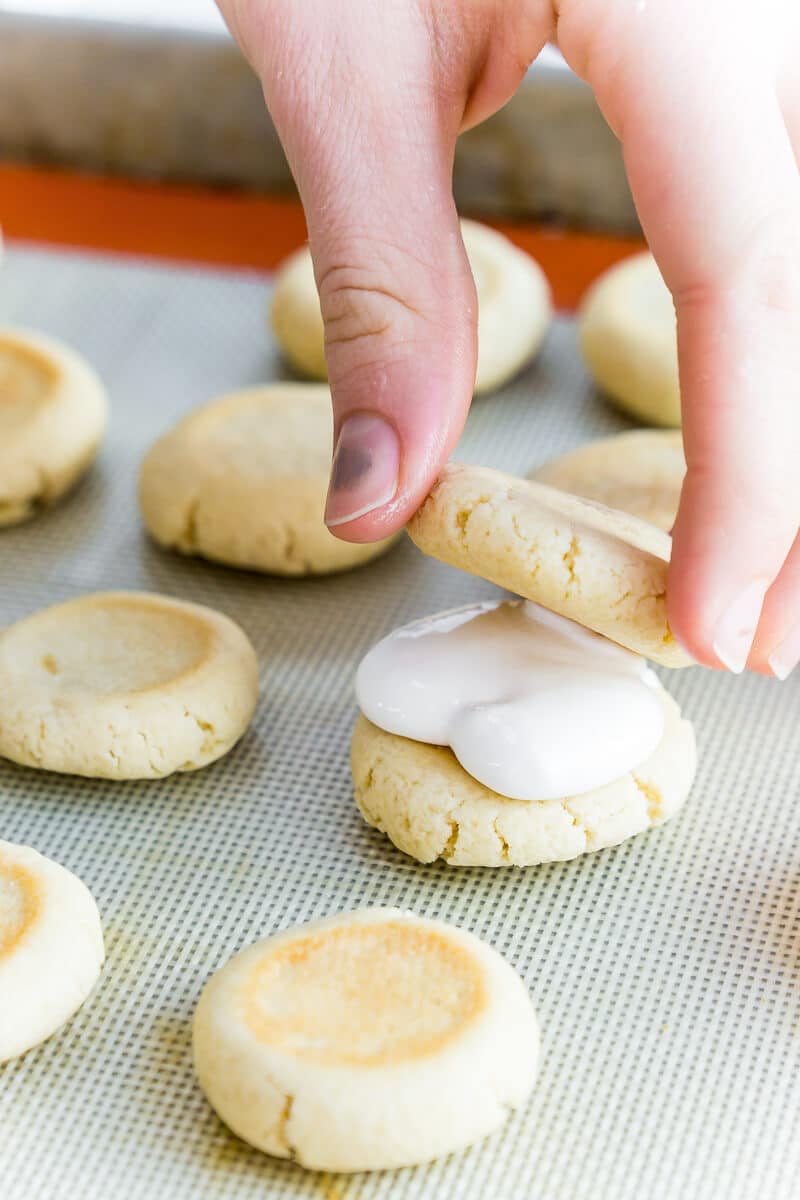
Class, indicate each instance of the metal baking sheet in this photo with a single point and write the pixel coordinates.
(665, 971)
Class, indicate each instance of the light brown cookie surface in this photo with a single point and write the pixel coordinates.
(53, 413)
(51, 947)
(640, 472)
(243, 481)
(369, 1040)
(595, 565)
(430, 807)
(626, 326)
(124, 685)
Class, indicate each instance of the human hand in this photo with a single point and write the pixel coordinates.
(369, 98)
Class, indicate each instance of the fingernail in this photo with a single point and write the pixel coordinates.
(365, 471)
(786, 655)
(736, 628)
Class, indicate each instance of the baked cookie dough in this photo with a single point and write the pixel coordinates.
(243, 481)
(514, 309)
(51, 947)
(640, 472)
(595, 565)
(124, 685)
(626, 326)
(53, 413)
(430, 807)
(370, 1040)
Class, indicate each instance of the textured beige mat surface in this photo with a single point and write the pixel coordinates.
(666, 972)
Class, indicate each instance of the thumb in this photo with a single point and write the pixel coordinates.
(370, 132)
(399, 306)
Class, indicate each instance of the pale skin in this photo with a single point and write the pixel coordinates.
(369, 96)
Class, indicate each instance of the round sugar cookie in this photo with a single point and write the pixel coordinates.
(53, 413)
(640, 472)
(370, 1040)
(514, 308)
(51, 947)
(626, 327)
(243, 481)
(514, 305)
(598, 566)
(124, 685)
(430, 807)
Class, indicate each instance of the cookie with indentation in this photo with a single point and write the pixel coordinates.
(598, 566)
(430, 807)
(628, 340)
(124, 685)
(640, 472)
(370, 1040)
(51, 947)
(514, 309)
(53, 413)
(243, 481)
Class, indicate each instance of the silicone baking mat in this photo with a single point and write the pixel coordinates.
(665, 971)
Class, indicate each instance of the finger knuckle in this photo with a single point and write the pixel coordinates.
(364, 301)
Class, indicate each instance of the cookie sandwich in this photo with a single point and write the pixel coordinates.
(531, 729)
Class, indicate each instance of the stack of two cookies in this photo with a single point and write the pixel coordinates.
(511, 735)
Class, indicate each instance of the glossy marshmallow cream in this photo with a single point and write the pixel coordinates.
(534, 706)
